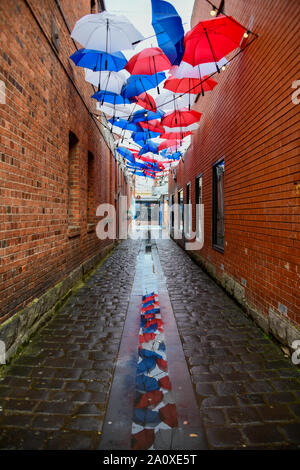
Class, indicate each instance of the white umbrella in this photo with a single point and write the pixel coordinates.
(185, 70)
(106, 32)
(166, 102)
(108, 81)
(118, 110)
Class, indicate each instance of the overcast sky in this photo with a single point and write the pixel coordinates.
(139, 12)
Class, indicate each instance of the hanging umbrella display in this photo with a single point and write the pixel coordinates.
(169, 30)
(110, 97)
(107, 81)
(106, 32)
(190, 85)
(137, 84)
(145, 101)
(182, 118)
(211, 40)
(143, 115)
(185, 70)
(99, 60)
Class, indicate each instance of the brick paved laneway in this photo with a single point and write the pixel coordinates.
(54, 396)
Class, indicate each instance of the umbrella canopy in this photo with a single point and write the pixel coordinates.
(146, 101)
(191, 127)
(126, 154)
(142, 115)
(185, 70)
(110, 97)
(148, 62)
(108, 81)
(106, 32)
(190, 85)
(99, 60)
(149, 147)
(137, 84)
(181, 118)
(211, 40)
(167, 25)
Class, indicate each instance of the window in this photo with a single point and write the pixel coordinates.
(188, 216)
(73, 181)
(180, 208)
(172, 211)
(90, 190)
(198, 193)
(93, 6)
(218, 205)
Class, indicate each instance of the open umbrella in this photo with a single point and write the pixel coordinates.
(211, 40)
(143, 115)
(125, 125)
(181, 118)
(150, 61)
(169, 101)
(146, 101)
(190, 85)
(191, 127)
(142, 137)
(99, 60)
(107, 81)
(169, 30)
(126, 154)
(185, 70)
(110, 97)
(175, 135)
(149, 147)
(169, 143)
(137, 84)
(106, 32)
(154, 125)
(118, 110)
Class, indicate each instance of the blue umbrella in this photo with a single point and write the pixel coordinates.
(138, 84)
(110, 97)
(143, 115)
(173, 156)
(142, 137)
(149, 147)
(99, 60)
(126, 154)
(126, 125)
(167, 25)
(139, 173)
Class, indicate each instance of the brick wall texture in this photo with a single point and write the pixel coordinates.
(55, 165)
(249, 119)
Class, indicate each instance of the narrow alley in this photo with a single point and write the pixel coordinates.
(62, 391)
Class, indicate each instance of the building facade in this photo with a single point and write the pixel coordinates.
(244, 166)
(56, 164)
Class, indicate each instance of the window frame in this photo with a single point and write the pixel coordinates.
(215, 245)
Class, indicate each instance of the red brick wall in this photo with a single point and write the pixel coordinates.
(249, 118)
(46, 98)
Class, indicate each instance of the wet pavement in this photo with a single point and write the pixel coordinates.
(239, 391)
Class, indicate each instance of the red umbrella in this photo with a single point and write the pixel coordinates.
(154, 125)
(190, 85)
(146, 101)
(148, 62)
(181, 118)
(175, 135)
(211, 40)
(169, 143)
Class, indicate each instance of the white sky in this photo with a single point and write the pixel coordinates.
(140, 14)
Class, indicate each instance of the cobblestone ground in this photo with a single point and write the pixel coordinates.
(54, 395)
(248, 392)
